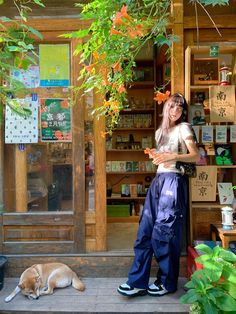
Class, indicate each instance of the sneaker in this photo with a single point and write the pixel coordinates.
(128, 291)
(157, 289)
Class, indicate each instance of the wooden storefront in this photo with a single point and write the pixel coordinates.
(78, 230)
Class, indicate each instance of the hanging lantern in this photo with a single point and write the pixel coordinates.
(225, 75)
(227, 217)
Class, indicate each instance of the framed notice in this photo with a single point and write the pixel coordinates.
(55, 120)
(54, 65)
(20, 129)
(207, 134)
(196, 129)
(221, 134)
(233, 134)
(203, 187)
(222, 103)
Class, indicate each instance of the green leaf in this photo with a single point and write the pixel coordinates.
(1, 2)
(226, 303)
(204, 248)
(35, 32)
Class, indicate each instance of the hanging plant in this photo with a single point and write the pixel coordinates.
(16, 52)
(117, 32)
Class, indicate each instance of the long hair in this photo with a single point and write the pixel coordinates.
(175, 99)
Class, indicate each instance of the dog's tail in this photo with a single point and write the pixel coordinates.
(77, 283)
(13, 294)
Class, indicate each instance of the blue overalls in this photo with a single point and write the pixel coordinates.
(160, 231)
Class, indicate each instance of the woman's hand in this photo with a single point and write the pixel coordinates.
(160, 158)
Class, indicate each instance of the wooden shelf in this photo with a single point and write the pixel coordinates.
(33, 168)
(125, 150)
(120, 198)
(206, 205)
(133, 129)
(131, 172)
(137, 110)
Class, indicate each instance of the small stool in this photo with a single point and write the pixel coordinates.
(225, 235)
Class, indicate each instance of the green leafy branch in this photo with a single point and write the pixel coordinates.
(17, 51)
(116, 33)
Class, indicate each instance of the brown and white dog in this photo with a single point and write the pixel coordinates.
(41, 279)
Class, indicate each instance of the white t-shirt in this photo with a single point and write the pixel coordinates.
(178, 133)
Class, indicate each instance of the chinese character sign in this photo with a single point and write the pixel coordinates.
(203, 187)
(222, 103)
(55, 120)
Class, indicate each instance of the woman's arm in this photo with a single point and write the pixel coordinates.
(191, 156)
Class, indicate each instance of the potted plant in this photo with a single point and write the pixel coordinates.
(212, 289)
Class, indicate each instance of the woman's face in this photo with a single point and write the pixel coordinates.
(175, 113)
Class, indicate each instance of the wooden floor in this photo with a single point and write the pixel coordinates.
(100, 296)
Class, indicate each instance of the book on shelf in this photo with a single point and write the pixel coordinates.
(207, 134)
(203, 156)
(233, 133)
(197, 114)
(226, 193)
(108, 166)
(221, 134)
(223, 154)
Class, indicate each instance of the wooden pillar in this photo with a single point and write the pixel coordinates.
(78, 160)
(177, 56)
(21, 180)
(100, 179)
(1, 162)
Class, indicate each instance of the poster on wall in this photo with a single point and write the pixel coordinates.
(29, 77)
(54, 65)
(20, 129)
(55, 120)
(222, 103)
(203, 187)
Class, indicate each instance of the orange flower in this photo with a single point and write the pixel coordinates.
(147, 151)
(124, 13)
(90, 68)
(117, 67)
(117, 20)
(103, 134)
(115, 32)
(96, 55)
(132, 33)
(162, 97)
(121, 89)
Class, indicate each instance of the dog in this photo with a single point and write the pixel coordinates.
(41, 279)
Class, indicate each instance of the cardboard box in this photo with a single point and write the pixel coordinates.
(119, 210)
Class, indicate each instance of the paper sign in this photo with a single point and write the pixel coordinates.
(55, 115)
(203, 187)
(54, 65)
(20, 129)
(222, 103)
(226, 193)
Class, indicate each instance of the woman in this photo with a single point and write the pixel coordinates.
(164, 211)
